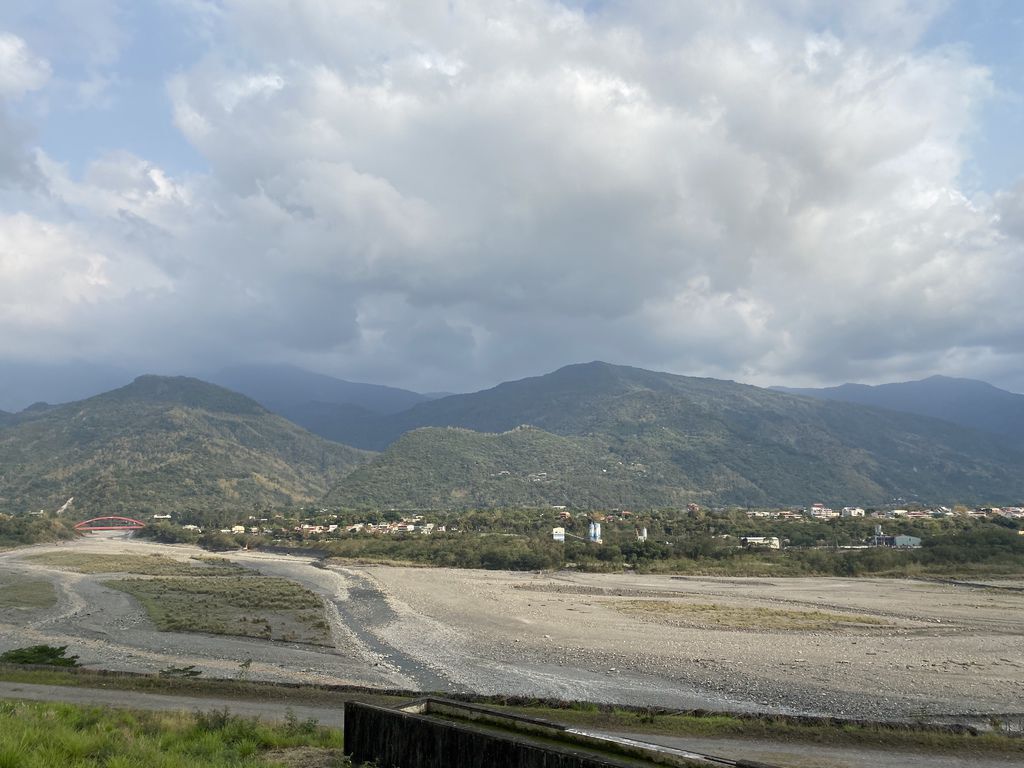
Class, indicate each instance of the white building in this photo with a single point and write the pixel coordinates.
(853, 512)
(821, 512)
(769, 542)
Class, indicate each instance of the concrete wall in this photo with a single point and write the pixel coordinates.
(395, 739)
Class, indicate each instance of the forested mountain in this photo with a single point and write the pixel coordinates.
(161, 444)
(967, 402)
(663, 438)
(443, 468)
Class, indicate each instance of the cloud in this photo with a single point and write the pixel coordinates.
(20, 70)
(78, 45)
(1010, 208)
(46, 273)
(441, 195)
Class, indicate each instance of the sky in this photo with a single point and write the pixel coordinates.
(445, 195)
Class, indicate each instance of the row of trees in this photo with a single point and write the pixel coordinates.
(521, 540)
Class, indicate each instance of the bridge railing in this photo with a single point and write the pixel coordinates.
(110, 523)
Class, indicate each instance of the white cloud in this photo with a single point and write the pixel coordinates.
(47, 272)
(20, 70)
(1010, 209)
(446, 194)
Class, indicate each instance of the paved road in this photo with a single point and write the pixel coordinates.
(811, 756)
(790, 755)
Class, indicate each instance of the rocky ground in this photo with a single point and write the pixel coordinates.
(934, 651)
(938, 649)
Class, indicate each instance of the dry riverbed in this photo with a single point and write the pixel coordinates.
(868, 648)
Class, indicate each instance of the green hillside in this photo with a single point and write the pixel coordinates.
(161, 444)
(612, 436)
(453, 468)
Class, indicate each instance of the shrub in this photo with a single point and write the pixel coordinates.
(50, 655)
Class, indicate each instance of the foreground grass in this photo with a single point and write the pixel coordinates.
(715, 616)
(905, 737)
(140, 565)
(257, 606)
(22, 592)
(584, 715)
(34, 735)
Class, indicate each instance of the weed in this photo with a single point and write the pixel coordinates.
(188, 671)
(294, 726)
(675, 612)
(48, 655)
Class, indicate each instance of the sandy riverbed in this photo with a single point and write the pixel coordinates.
(929, 650)
(939, 649)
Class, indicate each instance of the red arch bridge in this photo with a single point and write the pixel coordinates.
(112, 523)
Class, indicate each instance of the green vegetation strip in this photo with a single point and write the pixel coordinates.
(140, 565)
(34, 735)
(251, 606)
(22, 592)
(741, 617)
(242, 690)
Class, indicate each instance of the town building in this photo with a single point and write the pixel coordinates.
(767, 542)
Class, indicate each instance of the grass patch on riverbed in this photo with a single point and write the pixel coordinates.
(140, 565)
(207, 594)
(715, 616)
(868, 735)
(257, 606)
(34, 735)
(18, 591)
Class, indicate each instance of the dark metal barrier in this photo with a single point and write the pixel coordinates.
(394, 739)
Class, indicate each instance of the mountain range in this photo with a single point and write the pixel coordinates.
(160, 444)
(966, 402)
(612, 435)
(593, 435)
